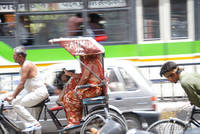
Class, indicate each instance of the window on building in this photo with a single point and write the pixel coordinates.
(178, 17)
(151, 20)
(165, 20)
(7, 24)
(44, 27)
(39, 21)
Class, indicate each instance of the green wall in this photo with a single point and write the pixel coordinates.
(112, 51)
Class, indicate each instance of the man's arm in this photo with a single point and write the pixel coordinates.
(24, 75)
(192, 89)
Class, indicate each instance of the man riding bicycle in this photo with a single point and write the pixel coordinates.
(36, 90)
(190, 82)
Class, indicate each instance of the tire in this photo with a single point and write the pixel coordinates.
(2, 129)
(5, 129)
(111, 110)
(167, 126)
(133, 121)
(116, 113)
(95, 120)
(8, 127)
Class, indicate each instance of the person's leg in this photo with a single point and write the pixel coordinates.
(89, 92)
(28, 100)
(35, 112)
(73, 108)
(73, 103)
(16, 108)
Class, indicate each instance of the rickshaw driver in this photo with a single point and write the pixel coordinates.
(36, 90)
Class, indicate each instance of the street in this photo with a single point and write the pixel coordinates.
(174, 109)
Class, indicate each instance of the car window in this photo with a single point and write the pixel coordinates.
(112, 75)
(129, 82)
(114, 83)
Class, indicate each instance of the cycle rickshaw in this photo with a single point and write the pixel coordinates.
(96, 111)
(99, 113)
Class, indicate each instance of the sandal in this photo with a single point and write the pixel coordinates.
(32, 128)
(71, 126)
(94, 130)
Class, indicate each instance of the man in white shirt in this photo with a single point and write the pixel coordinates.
(36, 90)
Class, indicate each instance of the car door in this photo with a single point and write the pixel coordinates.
(125, 92)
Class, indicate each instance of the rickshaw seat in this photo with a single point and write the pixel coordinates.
(94, 100)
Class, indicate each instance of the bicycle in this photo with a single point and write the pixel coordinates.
(97, 116)
(94, 116)
(101, 112)
(8, 125)
(175, 125)
(96, 110)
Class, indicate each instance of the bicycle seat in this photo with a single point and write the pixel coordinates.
(94, 100)
(41, 103)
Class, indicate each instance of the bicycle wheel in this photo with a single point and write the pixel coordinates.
(6, 128)
(95, 120)
(2, 129)
(167, 126)
(114, 112)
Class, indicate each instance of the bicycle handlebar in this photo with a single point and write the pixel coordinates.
(3, 107)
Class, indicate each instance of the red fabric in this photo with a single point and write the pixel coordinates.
(73, 100)
(56, 108)
(71, 85)
(80, 46)
(101, 38)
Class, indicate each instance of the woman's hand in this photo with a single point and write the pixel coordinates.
(68, 73)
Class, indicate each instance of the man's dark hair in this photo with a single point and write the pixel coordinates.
(60, 86)
(79, 15)
(95, 18)
(168, 66)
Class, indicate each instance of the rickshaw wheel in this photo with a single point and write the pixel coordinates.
(96, 121)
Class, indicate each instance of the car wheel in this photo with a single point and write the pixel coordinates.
(133, 121)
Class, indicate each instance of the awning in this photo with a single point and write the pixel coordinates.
(80, 46)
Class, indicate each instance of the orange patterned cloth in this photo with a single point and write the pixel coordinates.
(81, 45)
(73, 100)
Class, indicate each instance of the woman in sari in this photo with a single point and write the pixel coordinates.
(73, 95)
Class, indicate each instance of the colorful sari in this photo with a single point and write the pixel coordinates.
(73, 100)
